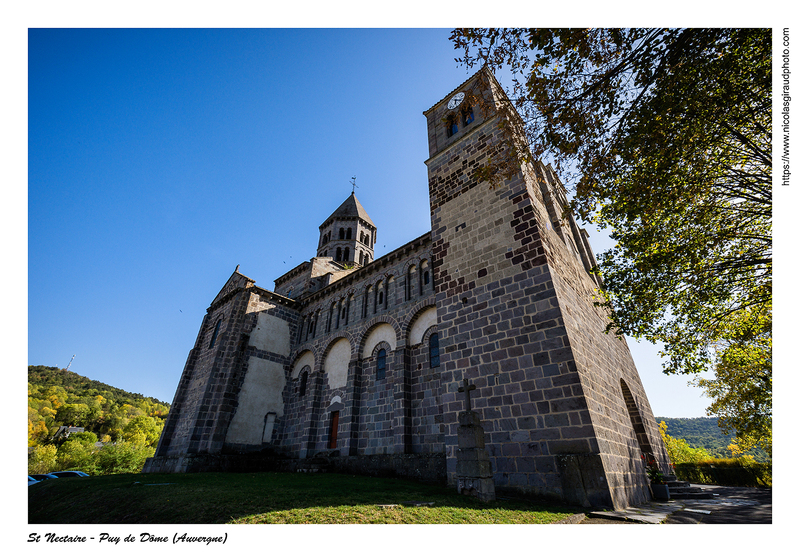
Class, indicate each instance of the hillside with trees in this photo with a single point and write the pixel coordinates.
(121, 429)
(705, 433)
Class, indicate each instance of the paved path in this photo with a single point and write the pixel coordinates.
(730, 505)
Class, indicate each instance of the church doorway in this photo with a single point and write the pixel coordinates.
(333, 431)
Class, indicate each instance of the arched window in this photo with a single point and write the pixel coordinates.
(341, 233)
(216, 332)
(346, 256)
(452, 126)
(349, 234)
(303, 384)
(338, 253)
(330, 317)
(361, 258)
(378, 296)
(324, 239)
(412, 273)
(366, 301)
(380, 367)
(433, 350)
(467, 116)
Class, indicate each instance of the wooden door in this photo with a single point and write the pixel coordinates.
(334, 430)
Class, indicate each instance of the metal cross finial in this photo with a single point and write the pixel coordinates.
(353, 183)
(466, 389)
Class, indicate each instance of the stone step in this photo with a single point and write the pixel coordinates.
(685, 488)
(693, 495)
(677, 484)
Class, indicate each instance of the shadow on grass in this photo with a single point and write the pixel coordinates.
(212, 498)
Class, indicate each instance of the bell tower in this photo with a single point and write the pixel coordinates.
(563, 409)
(348, 235)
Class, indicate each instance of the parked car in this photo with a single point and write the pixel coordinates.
(31, 481)
(43, 476)
(69, 474)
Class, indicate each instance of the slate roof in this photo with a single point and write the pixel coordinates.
(351, 208)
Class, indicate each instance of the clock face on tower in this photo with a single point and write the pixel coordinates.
(455, 101)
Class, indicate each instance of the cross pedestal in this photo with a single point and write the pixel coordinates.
(473, 468)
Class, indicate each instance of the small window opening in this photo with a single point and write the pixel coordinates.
(468, 116)
(303, 384)
(433, 350)
(380, 368)
(216, 332)
(452, 126)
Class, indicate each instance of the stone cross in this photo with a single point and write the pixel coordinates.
(466, 389)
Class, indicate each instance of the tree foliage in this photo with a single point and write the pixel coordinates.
(741, 390)
(121, 428)
(679, 451)
(664, 137)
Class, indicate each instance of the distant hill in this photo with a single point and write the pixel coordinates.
(81, 385)
(59, 397)
(705, 433)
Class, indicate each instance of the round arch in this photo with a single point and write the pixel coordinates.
(336, 362)
(306, 358)
(423, 319)
(381, 332)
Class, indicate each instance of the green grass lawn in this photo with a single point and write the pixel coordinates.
(247, 498)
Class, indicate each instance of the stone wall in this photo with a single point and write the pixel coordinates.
(210, 389)
(372, 309)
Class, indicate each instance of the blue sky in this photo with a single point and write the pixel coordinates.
(161, 159)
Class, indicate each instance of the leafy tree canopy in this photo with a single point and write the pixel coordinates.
(741, 391)
(663, 135)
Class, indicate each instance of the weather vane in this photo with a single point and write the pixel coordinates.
(353, 183)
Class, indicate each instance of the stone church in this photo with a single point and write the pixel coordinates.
(368, 365)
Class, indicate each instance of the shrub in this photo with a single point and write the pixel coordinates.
(734, 472)
(124, 456)
(42, 459)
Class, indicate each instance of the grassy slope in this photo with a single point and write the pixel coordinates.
(267, 498)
